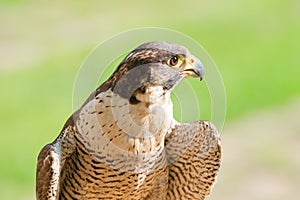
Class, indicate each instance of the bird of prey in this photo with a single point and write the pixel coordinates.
(123, 142)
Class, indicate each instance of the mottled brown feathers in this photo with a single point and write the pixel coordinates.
(123, 142)
(194, 156)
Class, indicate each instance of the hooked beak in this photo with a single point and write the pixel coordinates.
(193, 68)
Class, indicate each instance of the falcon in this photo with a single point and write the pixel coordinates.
(123, 142)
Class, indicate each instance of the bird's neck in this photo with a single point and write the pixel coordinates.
(125, 125)
(154, 112)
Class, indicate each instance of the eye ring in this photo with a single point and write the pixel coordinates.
(174, 60)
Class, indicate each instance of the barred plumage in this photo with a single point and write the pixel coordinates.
(194, 156)
(124, 143)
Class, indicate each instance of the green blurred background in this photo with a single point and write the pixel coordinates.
(255, 44)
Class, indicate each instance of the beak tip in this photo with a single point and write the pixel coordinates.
(201, 71)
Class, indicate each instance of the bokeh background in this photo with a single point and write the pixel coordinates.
(255, 44)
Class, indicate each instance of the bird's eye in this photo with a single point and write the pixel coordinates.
(174, 61)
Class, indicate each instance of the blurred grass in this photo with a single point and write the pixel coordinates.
(255, 45)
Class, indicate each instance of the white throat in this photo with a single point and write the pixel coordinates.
(140, 127)
(154, 112)
(154, 95)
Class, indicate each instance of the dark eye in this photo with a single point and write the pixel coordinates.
(174, 60)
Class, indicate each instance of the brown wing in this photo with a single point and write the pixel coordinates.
(51, 161)
(194, 156)
(47, 173)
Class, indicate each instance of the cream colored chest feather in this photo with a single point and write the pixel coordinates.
(110, 121)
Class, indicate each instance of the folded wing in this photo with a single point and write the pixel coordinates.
(194, 157)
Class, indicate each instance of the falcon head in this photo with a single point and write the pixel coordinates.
(154, 64)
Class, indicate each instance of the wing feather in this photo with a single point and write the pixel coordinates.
(194, 157)
(47, 174)
(50, 164)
